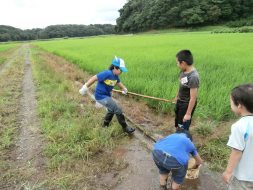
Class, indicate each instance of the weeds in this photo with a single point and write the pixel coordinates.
(216, 152)
(74, 132)
(205, 128)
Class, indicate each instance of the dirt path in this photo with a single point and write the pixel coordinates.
(30, 142)
(26, 159)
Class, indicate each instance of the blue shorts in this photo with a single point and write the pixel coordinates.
(167, 163)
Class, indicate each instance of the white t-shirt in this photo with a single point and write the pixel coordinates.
(241, 138)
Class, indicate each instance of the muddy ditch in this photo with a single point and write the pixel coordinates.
(140, 173)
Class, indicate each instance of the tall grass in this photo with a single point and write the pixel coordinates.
(223, 61)
(5, 47)
(70, 135)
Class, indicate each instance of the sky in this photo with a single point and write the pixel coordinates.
(28, 14)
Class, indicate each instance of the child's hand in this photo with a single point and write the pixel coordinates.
(83, 90)
(187, 117)
(226, 177)
(124, 91)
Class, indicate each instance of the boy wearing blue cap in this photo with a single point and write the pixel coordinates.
(106, 80)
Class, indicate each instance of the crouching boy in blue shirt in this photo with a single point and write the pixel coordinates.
(171, 154)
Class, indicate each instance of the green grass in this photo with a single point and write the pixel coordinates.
(76, 142)
(10, 92)
(63, 121)
(223, 61)
(216, 153)
(6, 46)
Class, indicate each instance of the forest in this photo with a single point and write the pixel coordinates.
(9, 33)
(142, 15)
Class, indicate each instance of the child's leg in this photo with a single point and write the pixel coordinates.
(180, 110)
(163, 179)
(108, 118)
(174, 185)
(114, 108)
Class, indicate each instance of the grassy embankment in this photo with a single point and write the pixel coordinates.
(78, 149)
(3, 49)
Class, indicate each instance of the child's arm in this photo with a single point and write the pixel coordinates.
(234, 159)
(198, 160)
(123, 88)
(91, 81)
(85, 87)
(193, 98)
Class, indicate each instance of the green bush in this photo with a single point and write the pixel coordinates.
(244, 29)
(240, 23)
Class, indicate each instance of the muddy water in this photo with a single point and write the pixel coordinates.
(208, 180)
(142, 174)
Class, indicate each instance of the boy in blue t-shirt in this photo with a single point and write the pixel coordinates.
(239, 171)
(106, 81)
(171, 154)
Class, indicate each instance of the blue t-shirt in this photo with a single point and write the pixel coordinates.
(106, 81)
(178, 146)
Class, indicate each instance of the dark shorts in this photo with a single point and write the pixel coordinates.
(180, 111)
(167, 163)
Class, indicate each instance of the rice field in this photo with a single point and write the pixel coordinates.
(222, 60)
(6, 46)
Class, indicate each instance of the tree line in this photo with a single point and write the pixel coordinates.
(9, 33)
(141, 15)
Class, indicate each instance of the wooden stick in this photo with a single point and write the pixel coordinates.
(145, 96)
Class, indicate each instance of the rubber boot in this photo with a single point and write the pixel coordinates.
(122, 122)
(107, 119)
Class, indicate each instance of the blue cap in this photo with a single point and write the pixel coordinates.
(118, 62)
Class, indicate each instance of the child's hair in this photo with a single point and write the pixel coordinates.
(186, 56)
(111, 67)
(186, 132)
(243, 94)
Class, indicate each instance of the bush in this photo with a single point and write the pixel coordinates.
(234, 30)
(240, 23)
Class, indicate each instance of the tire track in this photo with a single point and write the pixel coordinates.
(4, 67)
